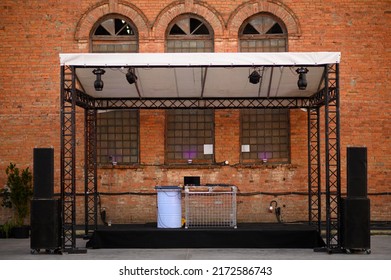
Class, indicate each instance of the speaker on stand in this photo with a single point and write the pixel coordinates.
(45, 226)
(43, 173)
(45, 210)
(355, 208)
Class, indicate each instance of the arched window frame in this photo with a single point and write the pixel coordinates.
(114, 43)
(117, 130)
(263, 42)
(264, 133)
(189, 41)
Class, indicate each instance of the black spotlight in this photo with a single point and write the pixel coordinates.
(254, 77)
(131, 76)
(98, 84)
(302, 82)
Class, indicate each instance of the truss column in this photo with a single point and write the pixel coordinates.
(68, 152)
(90, 171)
(333, 170)
(314, 178)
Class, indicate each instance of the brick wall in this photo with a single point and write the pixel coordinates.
(33, 34)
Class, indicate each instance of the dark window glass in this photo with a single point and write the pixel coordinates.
(263, 33)
(114, 35)
(118, 137)
(189, 136)
(189, 34)
(265, 135)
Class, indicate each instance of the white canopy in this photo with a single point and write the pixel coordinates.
(196, 75)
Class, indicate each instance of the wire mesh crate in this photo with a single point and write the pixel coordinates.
(210, 206)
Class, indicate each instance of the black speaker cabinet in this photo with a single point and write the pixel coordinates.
(357, 171)
(43, 173)
(355, 224)
(45, 224)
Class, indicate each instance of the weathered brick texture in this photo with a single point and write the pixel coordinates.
(33, 33)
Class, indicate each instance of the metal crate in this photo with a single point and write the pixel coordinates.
(210, 206)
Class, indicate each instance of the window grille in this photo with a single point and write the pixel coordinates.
(189, 34)
(114, 35)
(189, 136)
(118, 137)
(265, 135)
(263, 33)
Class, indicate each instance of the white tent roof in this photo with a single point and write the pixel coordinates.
(196, 75)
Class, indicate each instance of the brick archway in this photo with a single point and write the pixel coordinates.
(89, 19)
(275, 8)
(177, 8)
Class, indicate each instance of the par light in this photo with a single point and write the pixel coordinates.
(302, 82)
(98, 84)
(131, 76)
(254, 77)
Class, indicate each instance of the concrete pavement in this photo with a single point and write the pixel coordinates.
(19, 249)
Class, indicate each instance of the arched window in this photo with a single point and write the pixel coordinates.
(188, 132)
(263, 33)
(264, 132)
(117, 130)
(189, 33)
(114, 35)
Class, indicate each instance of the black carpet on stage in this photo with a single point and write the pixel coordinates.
(245, 236)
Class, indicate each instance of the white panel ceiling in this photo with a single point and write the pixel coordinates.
(196, 79)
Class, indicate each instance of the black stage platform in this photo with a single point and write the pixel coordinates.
(245, 236)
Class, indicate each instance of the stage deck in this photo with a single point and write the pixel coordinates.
(280, 235)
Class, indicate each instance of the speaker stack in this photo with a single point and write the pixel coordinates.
(355, 208)
(45, 210)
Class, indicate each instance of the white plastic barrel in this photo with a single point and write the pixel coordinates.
(169, 208)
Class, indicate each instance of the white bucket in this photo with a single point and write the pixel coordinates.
(169, 208)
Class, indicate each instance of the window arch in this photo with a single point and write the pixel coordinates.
(264, 134)
(114, 34)
(117, 130)
(263, 33)
(189, 33)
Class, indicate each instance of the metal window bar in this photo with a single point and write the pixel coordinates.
(210, 206)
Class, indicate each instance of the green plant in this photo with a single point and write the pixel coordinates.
(18, 192)
(7, 227)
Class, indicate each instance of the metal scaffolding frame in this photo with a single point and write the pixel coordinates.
(90, 171)
(314, 179)
(73, 95)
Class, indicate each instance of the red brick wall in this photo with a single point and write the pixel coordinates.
(35, 32)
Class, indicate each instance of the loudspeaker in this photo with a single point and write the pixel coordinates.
(45, 224)
(357, 172)
(355, 223)
(43, 173)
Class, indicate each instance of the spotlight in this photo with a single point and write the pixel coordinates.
(254, 77)
(131, 76)
(98, 84)
(302, 82)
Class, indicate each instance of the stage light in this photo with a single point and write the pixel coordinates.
(302, 82)
(98, 84)
(254, 77)
(131, 76)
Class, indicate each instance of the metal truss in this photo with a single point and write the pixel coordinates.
(333, 159)
(314, 178)
(90, 171)
(215, 103)
(72, 95)
(68, 151)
